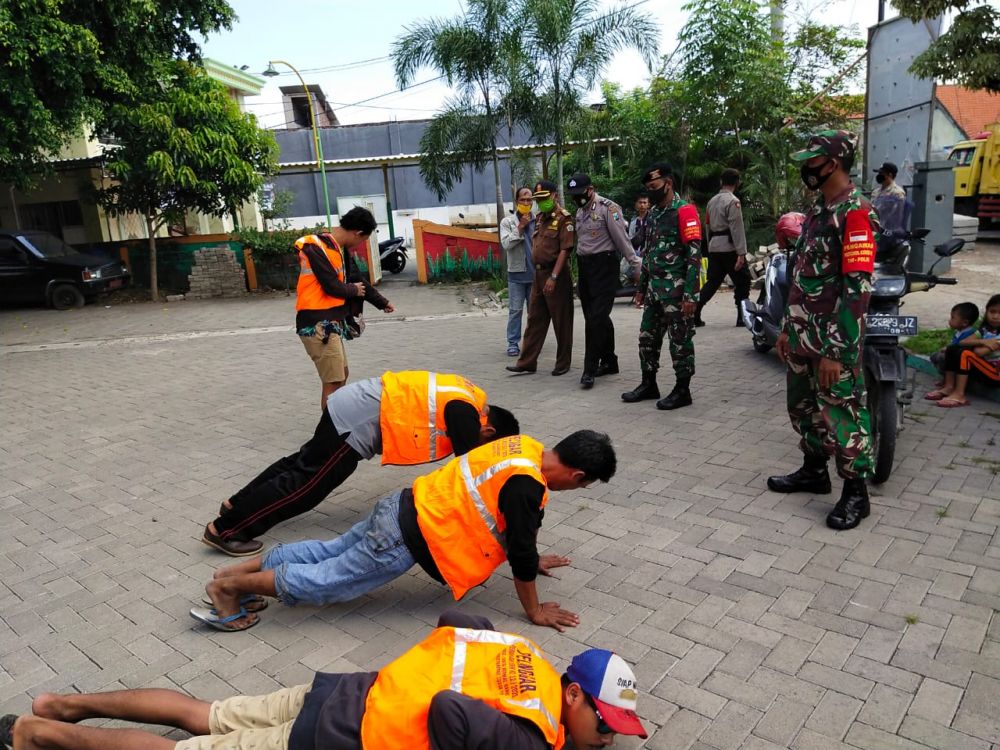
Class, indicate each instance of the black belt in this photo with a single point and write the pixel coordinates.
(540, 267)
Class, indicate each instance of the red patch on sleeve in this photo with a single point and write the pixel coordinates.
(859, 243)
(689, 223)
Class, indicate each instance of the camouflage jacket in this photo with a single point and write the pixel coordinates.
(670, 268)
(825, 314)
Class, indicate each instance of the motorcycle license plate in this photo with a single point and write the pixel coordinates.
(891, 325)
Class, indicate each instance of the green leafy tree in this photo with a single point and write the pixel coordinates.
(66, 62)
(188, 148)
(571, 42)
(480, 55)
(968, 53)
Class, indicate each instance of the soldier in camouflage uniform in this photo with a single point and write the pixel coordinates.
(668, 287)
(824, 328)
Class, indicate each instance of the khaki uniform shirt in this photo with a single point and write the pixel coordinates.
(554, 232)
(601, 228)
(723, 215)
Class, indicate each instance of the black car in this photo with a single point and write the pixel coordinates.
(39, 267)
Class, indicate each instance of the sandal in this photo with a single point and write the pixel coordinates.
(249, 602)
(952, 403)
(225, 624)
(7, 730)
(935, 395)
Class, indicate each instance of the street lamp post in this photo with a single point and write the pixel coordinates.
(271, 73)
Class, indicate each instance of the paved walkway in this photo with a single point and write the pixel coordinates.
(751, 624)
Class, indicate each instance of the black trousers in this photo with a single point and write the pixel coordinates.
(292, 485)
(719, 265)
(598, 281)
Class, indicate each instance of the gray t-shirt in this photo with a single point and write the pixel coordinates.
(356, 408)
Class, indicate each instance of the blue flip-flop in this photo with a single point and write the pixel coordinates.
(211, 618)
(249, 602)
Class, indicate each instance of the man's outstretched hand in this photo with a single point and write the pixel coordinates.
(550, 614)
(547, 562)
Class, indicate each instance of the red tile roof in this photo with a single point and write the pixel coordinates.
(973, 110)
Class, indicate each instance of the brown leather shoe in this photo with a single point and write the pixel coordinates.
(234, 547)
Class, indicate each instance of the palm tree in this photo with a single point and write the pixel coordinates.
(475, 54)
(571, 42)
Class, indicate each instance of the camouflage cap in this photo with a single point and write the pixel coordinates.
(839, 144)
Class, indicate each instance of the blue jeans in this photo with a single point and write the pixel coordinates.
(370, 554)
(518, 293)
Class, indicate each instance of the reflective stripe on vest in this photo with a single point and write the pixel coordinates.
(310, 294)
(504, 671)
(412, 414)
(472, 485)
(458, 508)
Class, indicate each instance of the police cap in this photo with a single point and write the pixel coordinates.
(578, 184)
(543, 189)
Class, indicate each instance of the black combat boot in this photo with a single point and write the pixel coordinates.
(607, 367)
(739, 316)
(678, 397)
(645, 390)
(813, 477)
(852, 507)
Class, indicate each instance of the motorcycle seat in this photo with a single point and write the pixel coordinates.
(384, 244)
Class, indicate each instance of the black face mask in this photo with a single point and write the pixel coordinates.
(655, 196)
(811, 175)
(581, 200)
(880, 178)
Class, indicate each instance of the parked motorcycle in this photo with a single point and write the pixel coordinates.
(764, 318)
(392, 254)
(884, 361)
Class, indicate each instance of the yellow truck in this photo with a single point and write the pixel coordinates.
(977, 175)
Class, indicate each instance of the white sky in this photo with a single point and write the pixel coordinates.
(312, 34)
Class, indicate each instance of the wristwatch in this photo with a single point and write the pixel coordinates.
(554, 276)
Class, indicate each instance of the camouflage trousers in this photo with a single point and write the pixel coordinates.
(833, 422)
(659, 320)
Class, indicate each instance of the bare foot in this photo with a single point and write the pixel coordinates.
(226, 601)
(53, 706)
(253, 565)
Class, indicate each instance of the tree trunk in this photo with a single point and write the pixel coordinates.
(500, 212)
(154, 288)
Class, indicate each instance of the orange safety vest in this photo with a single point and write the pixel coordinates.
(309, 293)
(412, 414)
(505, 671)
(458, 508)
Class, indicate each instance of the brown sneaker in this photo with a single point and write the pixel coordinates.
(234, 547)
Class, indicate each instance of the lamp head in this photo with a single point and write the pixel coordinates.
(270, 72)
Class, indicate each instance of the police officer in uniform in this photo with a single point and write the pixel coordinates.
(668, 287)
(601, 233)
(727, 245)
(552, 291)
(824, 330)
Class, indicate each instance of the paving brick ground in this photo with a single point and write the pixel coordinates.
(752, 625)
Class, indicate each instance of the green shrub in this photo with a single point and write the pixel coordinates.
(929, 341)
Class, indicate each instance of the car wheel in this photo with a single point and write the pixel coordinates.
(65, 296)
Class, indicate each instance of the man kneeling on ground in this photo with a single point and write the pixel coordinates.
(506, 695)
(459, 523)
(409, 417)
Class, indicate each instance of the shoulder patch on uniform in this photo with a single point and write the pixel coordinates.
(569, 226)
(689, 223)
(859, 243)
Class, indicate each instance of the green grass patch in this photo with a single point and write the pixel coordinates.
(911, 619)
(929, 341)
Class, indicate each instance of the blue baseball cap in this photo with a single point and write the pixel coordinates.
(610, 681)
